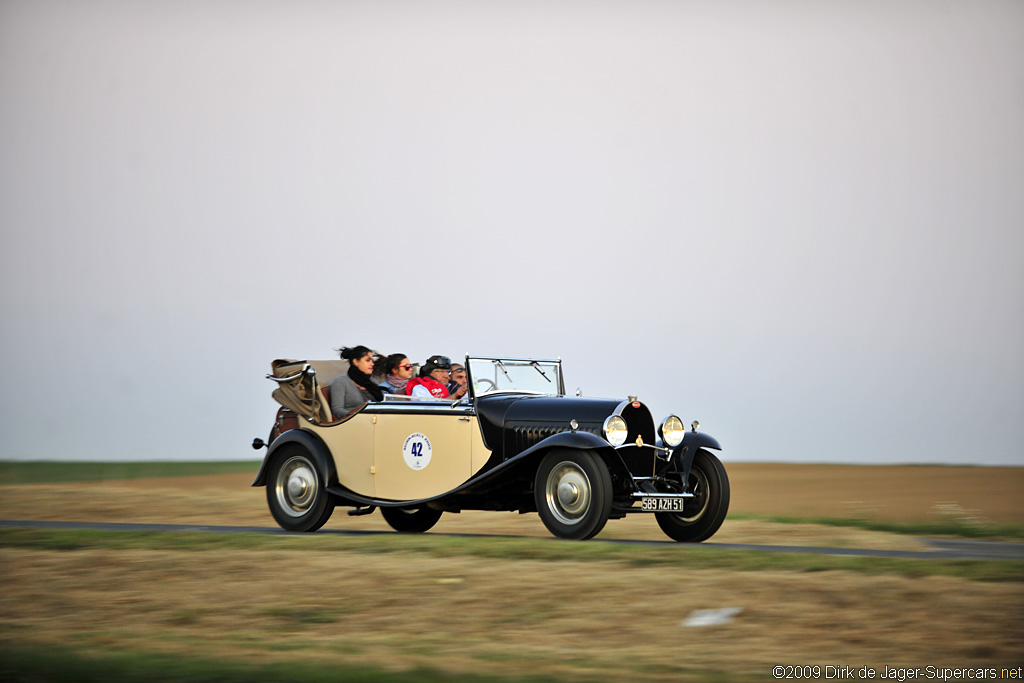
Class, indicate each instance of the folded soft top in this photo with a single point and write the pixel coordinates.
(299, 390)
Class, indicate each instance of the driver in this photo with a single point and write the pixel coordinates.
(433, 380)
(458, 378)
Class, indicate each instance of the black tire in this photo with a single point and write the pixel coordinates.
(295, 490)
(573, 491)
(705, 512)
(411, 521)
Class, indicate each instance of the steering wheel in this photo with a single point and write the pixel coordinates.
(483, 390)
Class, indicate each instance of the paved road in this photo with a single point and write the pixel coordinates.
(940, 548)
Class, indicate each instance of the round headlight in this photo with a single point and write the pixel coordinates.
(672, 431)
(615, 430)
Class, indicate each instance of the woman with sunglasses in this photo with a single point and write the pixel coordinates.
(397, 372)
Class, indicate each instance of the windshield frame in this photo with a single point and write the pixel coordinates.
(543, 366)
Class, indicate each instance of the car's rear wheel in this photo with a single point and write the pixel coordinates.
(705, 512)
(411, 520)
(295, 490)
(573, 492)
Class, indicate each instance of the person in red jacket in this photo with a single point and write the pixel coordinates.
(433, 380)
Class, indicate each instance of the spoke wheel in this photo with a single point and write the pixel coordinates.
(411, 520)
(295, 491)
(573, 492)
(705, 512)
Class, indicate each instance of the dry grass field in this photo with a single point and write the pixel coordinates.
(571, 619)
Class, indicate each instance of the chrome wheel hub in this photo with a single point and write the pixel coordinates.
(296, 486)
(568, 493)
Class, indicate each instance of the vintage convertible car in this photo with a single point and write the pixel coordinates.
(517, 442)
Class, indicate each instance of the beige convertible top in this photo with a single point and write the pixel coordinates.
(300, 391)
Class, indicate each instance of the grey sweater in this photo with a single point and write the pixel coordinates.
(346, 396)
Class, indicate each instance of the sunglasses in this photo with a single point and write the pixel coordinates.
(407, 366)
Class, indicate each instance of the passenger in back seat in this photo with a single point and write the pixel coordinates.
(356, 387)
(397, 371)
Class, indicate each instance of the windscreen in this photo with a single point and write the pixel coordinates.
(492, 375)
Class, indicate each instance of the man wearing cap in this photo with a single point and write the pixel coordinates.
(433, 380)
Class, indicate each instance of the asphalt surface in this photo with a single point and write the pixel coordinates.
(944, 549)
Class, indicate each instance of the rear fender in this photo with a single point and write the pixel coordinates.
(311, 442)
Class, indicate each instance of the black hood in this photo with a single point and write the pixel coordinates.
(515, 422)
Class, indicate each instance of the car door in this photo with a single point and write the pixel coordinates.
(422, 451)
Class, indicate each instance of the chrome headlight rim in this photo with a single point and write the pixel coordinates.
(672, 431)
(615, 430)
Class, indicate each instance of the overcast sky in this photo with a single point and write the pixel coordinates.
(800, 222)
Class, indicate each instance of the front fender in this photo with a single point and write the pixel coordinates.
(311, 442)
(699, 440)
(574, 440)
(685, 452)
(577, 441)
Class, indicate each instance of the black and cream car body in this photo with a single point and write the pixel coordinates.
(517, 442)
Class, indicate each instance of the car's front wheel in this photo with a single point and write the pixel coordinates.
(706, 511)
(295, 490)
(411, 521)
(573, 492)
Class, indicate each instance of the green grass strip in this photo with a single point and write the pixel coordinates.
(39, 664)
(961, 528)
(514, 549)
(53, 472)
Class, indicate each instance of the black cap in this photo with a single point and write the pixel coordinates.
(443, 362)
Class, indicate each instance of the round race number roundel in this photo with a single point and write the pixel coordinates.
(416, 451)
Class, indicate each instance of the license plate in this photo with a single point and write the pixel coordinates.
(652, 504)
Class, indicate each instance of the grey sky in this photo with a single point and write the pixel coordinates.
(799, 222)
